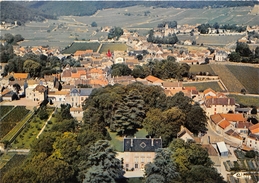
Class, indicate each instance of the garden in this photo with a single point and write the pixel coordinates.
(32, 129)
(201, 86)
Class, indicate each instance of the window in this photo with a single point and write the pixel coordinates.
(82, 98)
(142, 159)
(136, 165)
(127, 165)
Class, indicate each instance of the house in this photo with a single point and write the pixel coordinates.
(37, 93)
(222, 148)
(215, 105)
(221, 56)
(8, 95)
(219, 123)
(152, 80)
(58, 97)
(20, 76)
(77, 96)
(234, 136)
(77, 112)
(252, 141)
(137, 152)
(254, 129)
(172, 85)
(186, 135)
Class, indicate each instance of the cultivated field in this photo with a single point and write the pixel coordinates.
(205, 85)
(11, 120)
(248, 76)
(195, 69)
(113, 47)
(62, 32)
(81, 46)
(246, 100)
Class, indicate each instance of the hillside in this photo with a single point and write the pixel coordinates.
(82, 8)
(11, 12)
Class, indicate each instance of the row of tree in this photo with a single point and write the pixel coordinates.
(204, 28)
(244, 54)
(165, 69)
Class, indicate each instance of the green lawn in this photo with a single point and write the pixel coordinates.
(205, 85)
(201, 68)
(113, 47)
(246, 100)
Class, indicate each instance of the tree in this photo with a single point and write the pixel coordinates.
(243, 49)
(254, 111)
(234, 57)
(164, 124)
(32, 67)
(102, 163)
(129, 115)
(93, 24)
(243, 91)
(257, 52)
(196, 119)
(120, 70)
(115, 32)
(162, 169)
(138, 72)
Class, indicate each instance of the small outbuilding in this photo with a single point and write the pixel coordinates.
(222, 148)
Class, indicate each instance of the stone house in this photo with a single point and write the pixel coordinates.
(137, 152)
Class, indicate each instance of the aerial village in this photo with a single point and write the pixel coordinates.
(230, 127)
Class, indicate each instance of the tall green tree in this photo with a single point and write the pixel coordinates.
(129, 115)
(103, 166)
(32, 67)
(162, 169)
(164, 124)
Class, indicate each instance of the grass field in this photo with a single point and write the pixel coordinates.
(248, 76)
(205, 85)
(81, 46)
(113, 47)
(246, 100)
(201, 68)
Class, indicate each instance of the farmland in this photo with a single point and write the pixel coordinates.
(10, 121)
(81, 46)
(201, 68)
(112, 47)
(4, 110)
(66, 29)
(201, 86)
(248, 76)
(245, 100)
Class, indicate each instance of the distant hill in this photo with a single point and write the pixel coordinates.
(11, 12)
(82, 8)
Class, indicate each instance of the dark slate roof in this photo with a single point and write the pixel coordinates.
(141, 144)
(219, 101)
(85, 91)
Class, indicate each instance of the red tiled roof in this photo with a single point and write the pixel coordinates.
(224, 124)
(153, 79)
(254, 129)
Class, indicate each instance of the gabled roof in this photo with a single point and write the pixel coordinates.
(243, 124)
(20, 75)
(209, 90)
(219, 101)
(224, 124)
(153, 79)
(233, 134)
(254, 129)
(172, 84)
(233, 117)
(142, 144)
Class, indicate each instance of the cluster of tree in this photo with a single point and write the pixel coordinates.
(164, 69)
(170, 24)
(185, 162)
(204, 28)
(66, 8)
(35, 65)
(6, 50)
(115, 32)
(11, 12)
(124, 109)
(69, 153)
(170, 39)
(244, 54)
